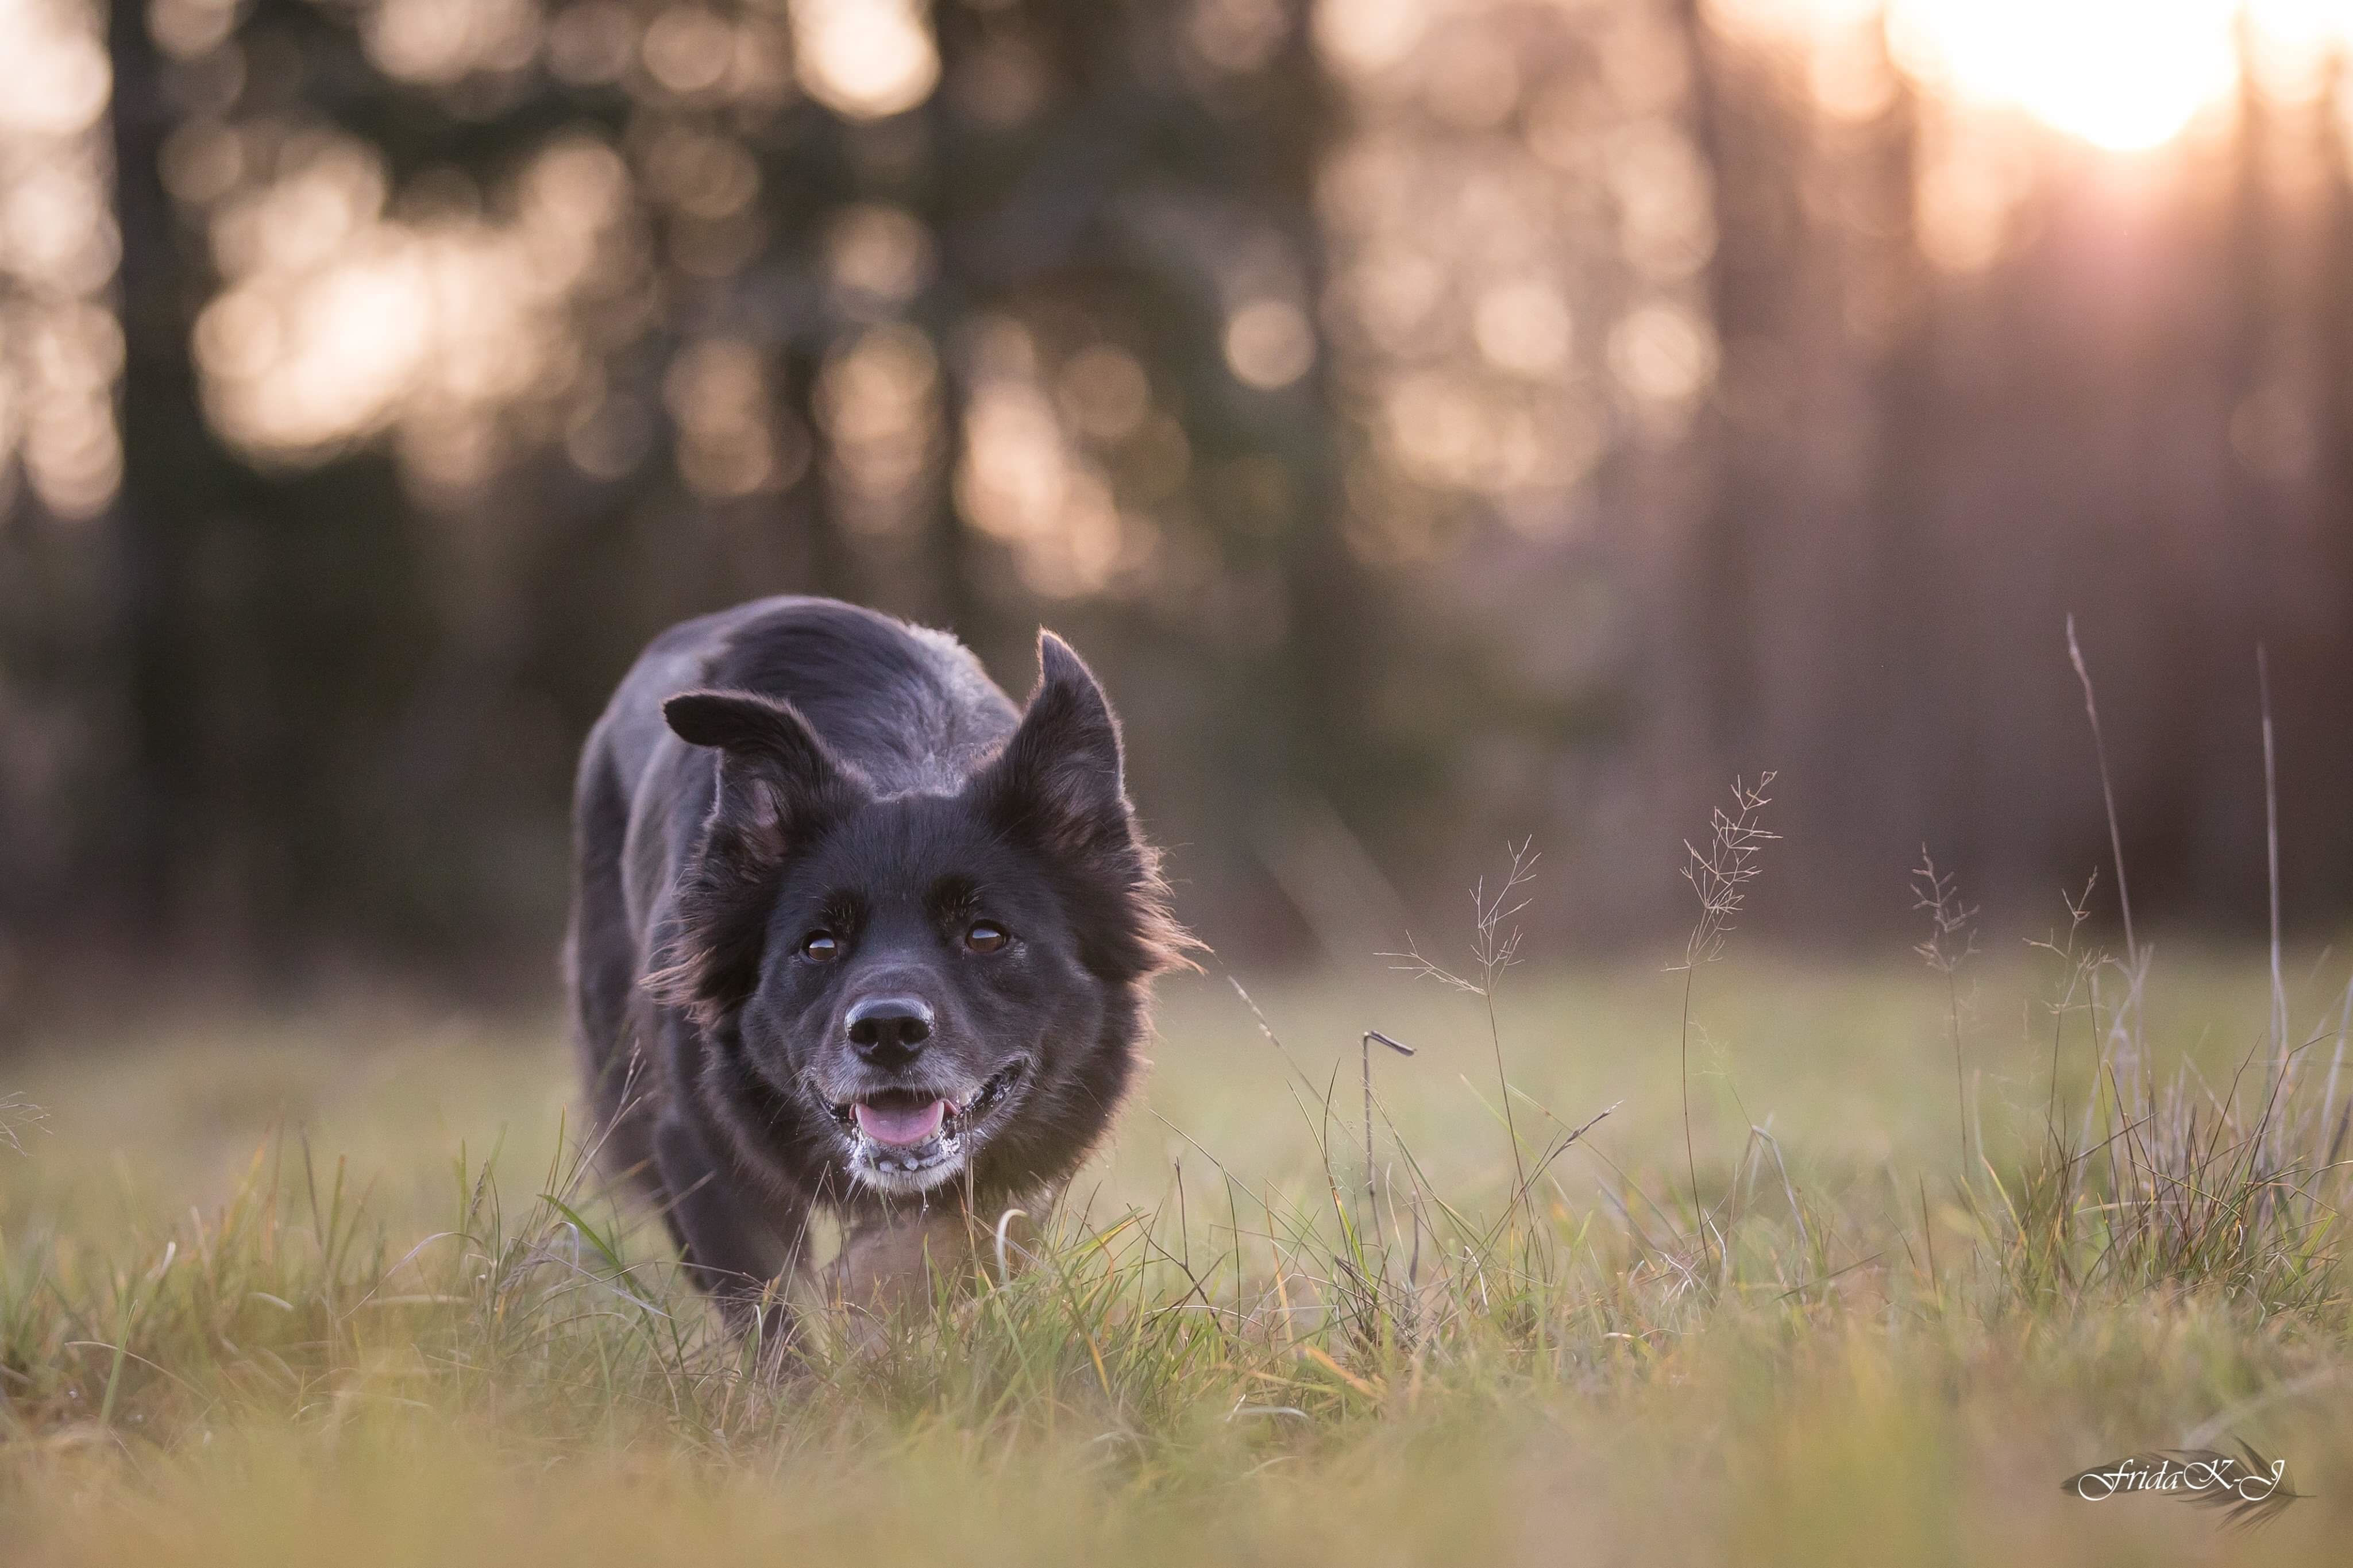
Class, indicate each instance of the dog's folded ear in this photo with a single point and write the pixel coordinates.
(1059, 785)
(779, 785)
(776, 778)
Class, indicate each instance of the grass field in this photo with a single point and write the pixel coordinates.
(322, 1287)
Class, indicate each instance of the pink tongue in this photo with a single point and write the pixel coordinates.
(888, 1124)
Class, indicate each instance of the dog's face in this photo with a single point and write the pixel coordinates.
(925, 987)
(948, 984)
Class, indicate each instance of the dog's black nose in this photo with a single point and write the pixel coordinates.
(888, 1030)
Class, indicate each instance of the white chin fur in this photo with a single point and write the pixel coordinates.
(869, 1165)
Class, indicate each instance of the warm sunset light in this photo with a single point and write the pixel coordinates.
(2124, 74)
(2121, 74)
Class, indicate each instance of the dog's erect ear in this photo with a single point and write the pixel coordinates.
(1059, 781)
(1057, 787)
(779, 785)
(777, 779)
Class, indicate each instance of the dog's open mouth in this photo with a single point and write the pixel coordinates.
(901, 1135)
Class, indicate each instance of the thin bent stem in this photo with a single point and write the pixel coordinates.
(2107, 792)
(1503, 1087)
(2271, 826)
(1961, 1082)
(1691, 1161)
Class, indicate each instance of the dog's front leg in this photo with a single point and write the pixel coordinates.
(903, 1259)
(888, 1264)
(732, 1249)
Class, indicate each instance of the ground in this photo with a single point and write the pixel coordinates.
(323, 1283)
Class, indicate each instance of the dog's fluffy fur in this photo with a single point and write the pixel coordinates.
(796, 813)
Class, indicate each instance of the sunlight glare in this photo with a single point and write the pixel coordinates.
(2126, 75)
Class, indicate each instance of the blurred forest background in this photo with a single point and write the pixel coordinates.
(1440, 421)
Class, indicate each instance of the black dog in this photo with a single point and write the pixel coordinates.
(849, 929)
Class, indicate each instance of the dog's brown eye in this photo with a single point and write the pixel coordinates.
(821, 947)
(985, 937)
